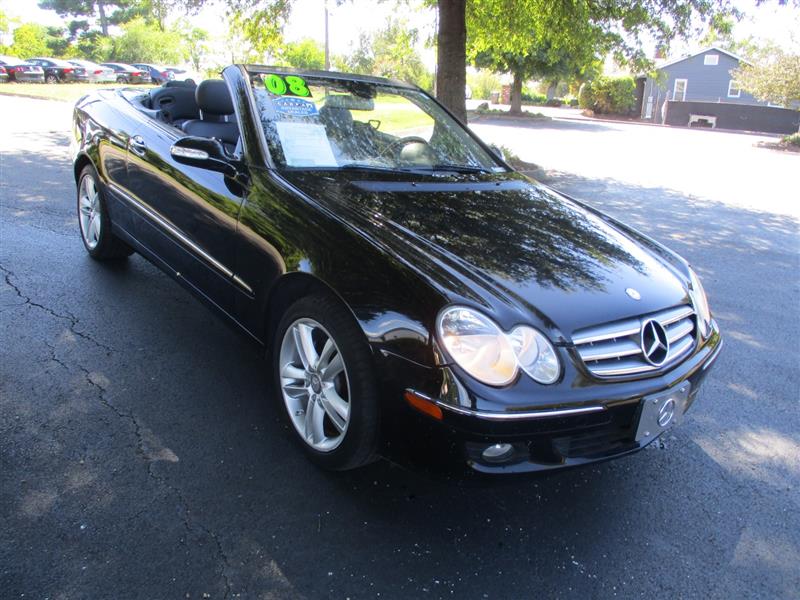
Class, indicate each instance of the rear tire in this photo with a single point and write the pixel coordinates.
(122, 79)
(94, 220)
(325, 385)
(51, 79)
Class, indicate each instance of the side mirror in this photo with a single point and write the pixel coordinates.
(204, 153)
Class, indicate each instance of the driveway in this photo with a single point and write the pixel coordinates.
(140, 456)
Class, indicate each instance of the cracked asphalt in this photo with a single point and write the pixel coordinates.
(140, 456)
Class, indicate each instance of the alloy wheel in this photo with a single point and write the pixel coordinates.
(89, 212)
(314, 384)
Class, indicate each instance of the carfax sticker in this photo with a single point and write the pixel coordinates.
(294, 107)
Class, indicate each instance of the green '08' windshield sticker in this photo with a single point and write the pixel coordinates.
(288, 85)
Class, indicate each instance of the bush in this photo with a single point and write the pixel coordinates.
(531, 97)
(482, 84)
(573, 102)
(792, 140)
(554, 102)
(609, 95)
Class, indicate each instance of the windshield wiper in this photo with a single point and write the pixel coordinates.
(459, 168)
(365, 167)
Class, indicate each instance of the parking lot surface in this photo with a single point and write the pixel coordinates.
(140, 456)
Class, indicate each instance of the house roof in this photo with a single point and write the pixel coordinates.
(698, 53)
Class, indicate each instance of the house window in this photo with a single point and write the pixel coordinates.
(711, 60)
(733, 89)
(679, 91)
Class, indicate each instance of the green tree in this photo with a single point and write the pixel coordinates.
(107, 12)
(144, 42)
(30, 39)
(195, 41)
(304, 54)
(390, 52)
(773, 77)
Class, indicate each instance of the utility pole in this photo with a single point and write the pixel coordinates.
(327, 50)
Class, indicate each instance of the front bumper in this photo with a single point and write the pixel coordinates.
(553, 437)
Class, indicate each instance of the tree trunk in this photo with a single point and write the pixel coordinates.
(103, 19)
(451, 60)
(516, 95)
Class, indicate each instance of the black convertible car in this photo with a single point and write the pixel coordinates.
(415, 296)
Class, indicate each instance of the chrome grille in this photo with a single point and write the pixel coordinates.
(614, 349)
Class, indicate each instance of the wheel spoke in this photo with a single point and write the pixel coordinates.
(86, 203)
(295, 390)
(305, 345)
(336, 408)
(94, 228)
(315, 417)
(91, 191)
(334, 367)
(325, 356)
(291, 372)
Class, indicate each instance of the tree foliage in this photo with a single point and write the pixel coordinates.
(390, 52)
(774, 77)
(106, 12)
(30, 39)
(304, 54)
(145, 42)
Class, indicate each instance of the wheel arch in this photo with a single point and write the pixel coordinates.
(80, 163)
(289, 288)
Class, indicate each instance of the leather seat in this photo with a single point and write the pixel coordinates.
(217, 119)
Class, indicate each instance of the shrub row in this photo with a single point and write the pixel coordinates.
(609, 95)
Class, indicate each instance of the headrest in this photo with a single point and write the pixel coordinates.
(213, 97)
(335, 116)
(349, 102)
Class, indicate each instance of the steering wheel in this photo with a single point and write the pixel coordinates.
(400, 143)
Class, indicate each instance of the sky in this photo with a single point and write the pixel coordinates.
(769, 21)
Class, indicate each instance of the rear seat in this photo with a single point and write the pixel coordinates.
(176, 104)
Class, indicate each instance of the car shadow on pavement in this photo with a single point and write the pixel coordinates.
(142, 456)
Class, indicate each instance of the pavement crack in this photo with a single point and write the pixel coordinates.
(142, 449)
(67, 316)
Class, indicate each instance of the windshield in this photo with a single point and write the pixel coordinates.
(326, 123)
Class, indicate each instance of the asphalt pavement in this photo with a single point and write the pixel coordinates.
(141, 457)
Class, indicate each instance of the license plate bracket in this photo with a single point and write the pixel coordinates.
(662, 411)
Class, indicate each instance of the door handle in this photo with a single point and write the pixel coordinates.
(137, 145)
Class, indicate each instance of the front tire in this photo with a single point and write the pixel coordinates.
(94, 220)
(325, 385)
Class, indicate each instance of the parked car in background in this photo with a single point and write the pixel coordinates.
(3, 75)
(55, 69)
(90, 72)
(127, 73)
(179, 74)
(19, 70)
(157, 74)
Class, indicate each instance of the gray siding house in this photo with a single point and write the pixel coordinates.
(700, 91)
(701, 77)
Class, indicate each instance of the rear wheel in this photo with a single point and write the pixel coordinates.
(95, 222)
(51, 79)
(122, 79)
(324, 381)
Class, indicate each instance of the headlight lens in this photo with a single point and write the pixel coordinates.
(535, 354)
(698, 295)
(478, 346)
(491, 356)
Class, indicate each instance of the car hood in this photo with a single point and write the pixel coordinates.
(504, 242)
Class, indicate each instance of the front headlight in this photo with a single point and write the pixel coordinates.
(491, 356)
(700, 302)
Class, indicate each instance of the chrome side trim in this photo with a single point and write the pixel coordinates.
(172, 230)
(714, 356)
(519, 416)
